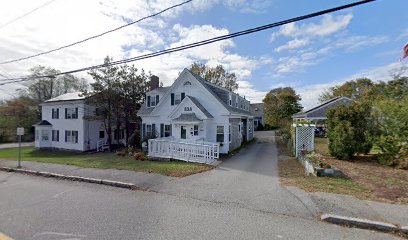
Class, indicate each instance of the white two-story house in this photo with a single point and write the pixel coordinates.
(194, 110)
(67, 124)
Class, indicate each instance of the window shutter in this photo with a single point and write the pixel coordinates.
(172, 99)
(66, 115)
(162, 130)
(66, 133)
(183, 95)
(157, 99)
(76, 113)
(154, 129)
(148, 101)
(143, 130)
(57, 113)
(57, 135)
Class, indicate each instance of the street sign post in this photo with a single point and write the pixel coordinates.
(20, 132)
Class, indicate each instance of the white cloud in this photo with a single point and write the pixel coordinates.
(327, 26)
(247, 89)
(311, 93)
(54, 26)
(354, 43)
(293, 44)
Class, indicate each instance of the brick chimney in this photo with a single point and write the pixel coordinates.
(154, 82)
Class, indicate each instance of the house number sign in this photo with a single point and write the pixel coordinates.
(188, 109)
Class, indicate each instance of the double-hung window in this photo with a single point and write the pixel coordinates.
(55, 135)
(71, 136)
(177, 98)
(195, 130)
(55, 113)
(44, 135)
(167, 130)
(220, 134)
(149, 132)
(71, 113)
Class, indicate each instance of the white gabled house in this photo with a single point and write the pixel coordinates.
(196, 112)
(67, 124)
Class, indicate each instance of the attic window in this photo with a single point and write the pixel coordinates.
(256, 109)
(187, 83)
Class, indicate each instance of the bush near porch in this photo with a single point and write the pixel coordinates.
(105, 161)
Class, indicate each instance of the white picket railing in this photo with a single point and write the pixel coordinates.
(202, 152)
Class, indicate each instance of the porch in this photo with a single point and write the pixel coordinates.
(190, 151)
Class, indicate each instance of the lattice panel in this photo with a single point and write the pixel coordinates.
(304, 138)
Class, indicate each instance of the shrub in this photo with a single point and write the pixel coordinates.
(139, 156)
(392, 137)
(349, 130)
(134, 139)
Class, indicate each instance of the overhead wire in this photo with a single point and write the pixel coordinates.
(195, 44)
(25, 14)
(94, 36)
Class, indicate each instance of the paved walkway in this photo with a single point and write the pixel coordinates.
(14, 145)
(248, 180)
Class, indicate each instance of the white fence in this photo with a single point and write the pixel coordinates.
(200, 151)
(304, 138)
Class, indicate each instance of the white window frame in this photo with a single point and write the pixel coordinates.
(153, 101)
(177, 98)
(149, 131)
(55, 135)
(167, 130)
(219, 127)
(71, 136)
(195, 131)
(45, 135)
(71, 113)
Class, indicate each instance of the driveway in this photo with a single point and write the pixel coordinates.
(249, 180)
(14, 145)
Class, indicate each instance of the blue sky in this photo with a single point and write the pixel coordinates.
(310, 56)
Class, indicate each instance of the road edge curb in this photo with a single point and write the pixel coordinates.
(363, 223)
(73, 178)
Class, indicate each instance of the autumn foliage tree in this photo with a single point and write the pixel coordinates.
(216, 75)
(279, 106)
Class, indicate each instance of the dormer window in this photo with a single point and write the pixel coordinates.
(187, 83)
(152, 101)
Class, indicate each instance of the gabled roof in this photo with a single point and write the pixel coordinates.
(43, 123)
(220, 93)
(187, 117)
(319, 111)
(201, 107)
(259, 112)
(67, 97)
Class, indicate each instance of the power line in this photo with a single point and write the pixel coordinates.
(25, 14)
(192, 45)
(94, 36)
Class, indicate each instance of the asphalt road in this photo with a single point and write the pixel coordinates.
(241, 199)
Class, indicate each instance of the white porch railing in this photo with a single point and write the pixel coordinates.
(203, 152)
(101, 146)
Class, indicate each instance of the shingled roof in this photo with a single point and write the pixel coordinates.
(319, 111)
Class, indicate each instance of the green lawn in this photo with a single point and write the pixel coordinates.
(105, 161)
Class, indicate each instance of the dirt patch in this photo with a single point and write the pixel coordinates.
(386, 183)
(365, 179)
